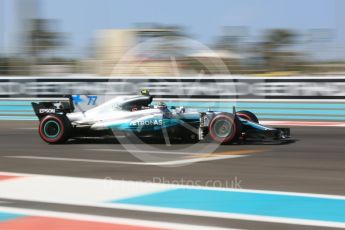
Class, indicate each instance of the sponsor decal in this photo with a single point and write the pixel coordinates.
(91, 99)
(156, 122)
(47, 111)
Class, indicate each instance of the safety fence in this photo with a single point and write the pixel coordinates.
(302, 98)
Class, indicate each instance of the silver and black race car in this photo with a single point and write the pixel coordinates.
(135, 115)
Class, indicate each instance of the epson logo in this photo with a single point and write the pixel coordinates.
(47, 111)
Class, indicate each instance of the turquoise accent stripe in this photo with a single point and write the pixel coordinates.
(291, 117)
(11, 110)
(261, 204)
(18, 118)
(15, 108)
(4, 216)
(26, 103)
(154, 128)
(17, 113)
(282, 111)
(259, 105)
(299, 112)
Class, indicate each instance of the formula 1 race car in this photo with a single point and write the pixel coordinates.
(134, 115)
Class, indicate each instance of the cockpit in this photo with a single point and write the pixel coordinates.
(136, 103)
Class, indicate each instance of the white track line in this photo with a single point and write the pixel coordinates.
(270, 192)
(189, 212)
(104, 219)
(145, 151)
(164, 163)
(35, 192)
(158, 224)
(208, 214)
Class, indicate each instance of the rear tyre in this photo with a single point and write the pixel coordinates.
(224, 128)
(55, 129)
(248, 116)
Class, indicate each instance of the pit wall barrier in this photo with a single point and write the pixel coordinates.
(302, 98)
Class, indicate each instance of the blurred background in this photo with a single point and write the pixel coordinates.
(251, 37)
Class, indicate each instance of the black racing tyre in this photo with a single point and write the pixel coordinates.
(248, 115)
(224, 128)
(55, 129)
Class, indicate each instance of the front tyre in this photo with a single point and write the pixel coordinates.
(55, 129)
(224, 128)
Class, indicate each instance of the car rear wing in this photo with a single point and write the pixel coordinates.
(59, 106)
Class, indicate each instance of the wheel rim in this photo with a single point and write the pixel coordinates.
(222, 128)
(51, 129)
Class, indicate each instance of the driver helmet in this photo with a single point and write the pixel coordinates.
(145, 92)
(162, 105)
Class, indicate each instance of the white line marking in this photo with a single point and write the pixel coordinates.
(67, 190)
(189, 212)
(105, 219)
(271, 192)
(80, 191)
(144, 151)
(166, 163)
(236, 216)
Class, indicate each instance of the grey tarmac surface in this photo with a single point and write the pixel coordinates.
(315, 163)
